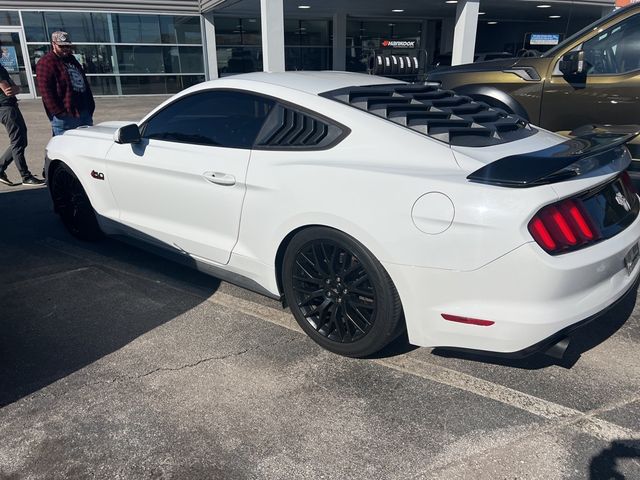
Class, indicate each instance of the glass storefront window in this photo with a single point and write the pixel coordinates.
(142, 54)
(308, 32)
(191, 60)
(83, 27)
(134, 59)
(94, 58)
(34, 27)
(160, 84)
(357, 59)
(237, 31)
(103, 85)
(365, 37)
(36, 52)
(239, 60)
(129, 28)
(158, 59)
(13, 59)
(188, 29)
(308, 58)
(100, 85)
(369, 35)
(9, 18)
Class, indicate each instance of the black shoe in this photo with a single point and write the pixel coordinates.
(32, 181)
(4, 179)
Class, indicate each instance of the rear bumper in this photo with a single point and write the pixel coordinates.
(532, 297)
(545, 344)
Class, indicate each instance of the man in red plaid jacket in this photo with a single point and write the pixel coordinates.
(65, 91)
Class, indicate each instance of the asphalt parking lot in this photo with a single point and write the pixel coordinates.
(115, 363)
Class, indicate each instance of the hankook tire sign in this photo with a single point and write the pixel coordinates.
(398, 44)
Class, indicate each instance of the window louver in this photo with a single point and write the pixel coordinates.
(441, 114)
(287, 128)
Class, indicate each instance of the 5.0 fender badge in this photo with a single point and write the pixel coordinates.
(97, 175)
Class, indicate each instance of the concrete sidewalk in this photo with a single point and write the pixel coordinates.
(115, 363)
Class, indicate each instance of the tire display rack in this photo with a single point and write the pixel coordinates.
(408, 65)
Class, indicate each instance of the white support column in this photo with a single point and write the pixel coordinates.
(209, 43)
(464, 37)
(339, 41)
(272, 22)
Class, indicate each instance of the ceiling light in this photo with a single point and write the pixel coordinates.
(451, 1)
(543, 6)
(304, 6)
(397, 10)
(481, 13)
(492, 23)
(555, 16)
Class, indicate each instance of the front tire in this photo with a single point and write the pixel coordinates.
(340, 294)
(70, 201)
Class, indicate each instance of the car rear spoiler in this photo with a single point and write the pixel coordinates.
(572, 158)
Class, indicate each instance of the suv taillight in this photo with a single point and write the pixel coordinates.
(563, 227)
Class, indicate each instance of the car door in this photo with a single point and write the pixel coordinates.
(609, 92)
(182, 186)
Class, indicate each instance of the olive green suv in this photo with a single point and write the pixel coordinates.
(592, 78)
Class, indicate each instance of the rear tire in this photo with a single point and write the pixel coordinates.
(70, 201)
(340, 294)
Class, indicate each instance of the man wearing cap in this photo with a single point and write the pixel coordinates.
(64, 88)
(11, 118)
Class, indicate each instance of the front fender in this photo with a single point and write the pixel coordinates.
(493, 97)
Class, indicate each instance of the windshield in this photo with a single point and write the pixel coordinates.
(586, 29)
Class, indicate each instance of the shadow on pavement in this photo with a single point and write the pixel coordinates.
(582, 340)
(606, 465)
(65, 304)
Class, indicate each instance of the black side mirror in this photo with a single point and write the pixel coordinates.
(573, 64)
(127, 134)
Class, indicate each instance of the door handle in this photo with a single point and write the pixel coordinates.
(219, 178)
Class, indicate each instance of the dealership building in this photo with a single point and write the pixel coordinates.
(162, 46)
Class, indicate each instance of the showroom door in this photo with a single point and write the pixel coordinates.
(13, 58)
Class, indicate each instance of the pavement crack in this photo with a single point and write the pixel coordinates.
(213, 358)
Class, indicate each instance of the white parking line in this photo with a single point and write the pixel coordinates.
(585, 421)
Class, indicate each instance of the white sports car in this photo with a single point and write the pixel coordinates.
(369, 205)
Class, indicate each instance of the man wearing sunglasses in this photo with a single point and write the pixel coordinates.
(64, 88)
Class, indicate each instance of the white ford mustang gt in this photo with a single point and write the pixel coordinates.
(369, 205)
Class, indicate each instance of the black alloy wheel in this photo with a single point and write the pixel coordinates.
(72, 204)
(340, 294)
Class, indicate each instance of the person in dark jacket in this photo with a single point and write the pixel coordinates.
(11, 118)
(64, 88)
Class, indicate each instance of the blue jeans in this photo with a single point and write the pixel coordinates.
(67, 122)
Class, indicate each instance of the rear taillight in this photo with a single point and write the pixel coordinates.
(563, 226)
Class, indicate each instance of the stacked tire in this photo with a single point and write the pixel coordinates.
(393, 65)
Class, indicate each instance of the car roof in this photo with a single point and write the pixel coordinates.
(313, 82)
